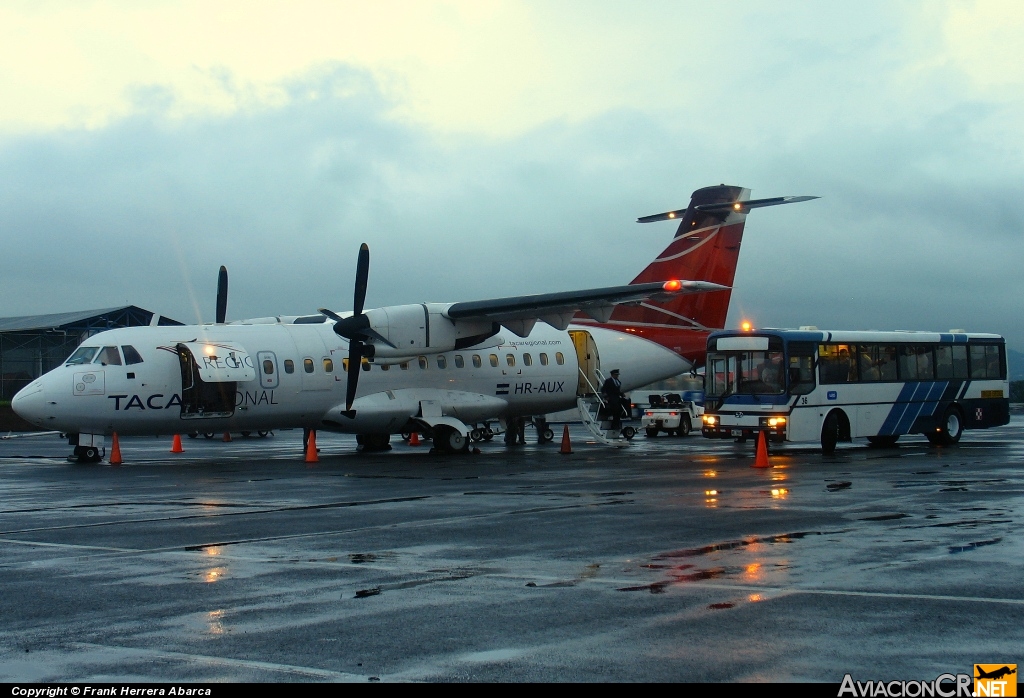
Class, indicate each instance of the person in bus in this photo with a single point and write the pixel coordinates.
(771, 372)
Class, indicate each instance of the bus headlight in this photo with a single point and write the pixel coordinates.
(709, 420)
(773, 422)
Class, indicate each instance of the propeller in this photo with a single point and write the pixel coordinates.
(356, 329)
(222, 295)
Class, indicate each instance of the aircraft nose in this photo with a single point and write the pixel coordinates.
(30, 403)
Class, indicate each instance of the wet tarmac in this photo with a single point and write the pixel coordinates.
(672, 560)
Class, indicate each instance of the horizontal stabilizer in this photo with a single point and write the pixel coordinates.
(727, 207)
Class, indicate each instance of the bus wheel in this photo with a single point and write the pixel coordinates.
(830, 434)
(952, 427)
(883, 441)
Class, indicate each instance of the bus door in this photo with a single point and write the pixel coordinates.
(588, 360)
(210, 374)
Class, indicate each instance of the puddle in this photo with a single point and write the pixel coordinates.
(719, 606)
(953, 549)
(885, 517)
(364, 593)
(836, 486)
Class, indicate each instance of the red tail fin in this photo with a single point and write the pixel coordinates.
(706, 247)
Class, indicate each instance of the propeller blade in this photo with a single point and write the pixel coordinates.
(355, 359)
(222, 295)
(371, 333)
(331, 314)
(362, 275)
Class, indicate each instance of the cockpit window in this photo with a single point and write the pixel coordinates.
(109, 356)
(131, 356)
(82, 355)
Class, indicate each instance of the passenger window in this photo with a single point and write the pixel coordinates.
(328, 366)
(268, 367)
(365, 364)
(422, 361)
(477, 363)
(131, 356)
(289, 366)
(543, 359)
(494, 360)
(960, 362)
(441, 361)
(801, 374)
(344, 365)
(459, 363)
(510, 359)
(109, 356)
(943, 362)
(837, 364)
(916, 363)
(385, 367)
(307, 365)
(877, 363)
(82, 355)
(559, 359)
(986, 361)
(404, 365)
(527, 360)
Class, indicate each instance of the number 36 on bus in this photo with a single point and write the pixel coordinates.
(810, 385)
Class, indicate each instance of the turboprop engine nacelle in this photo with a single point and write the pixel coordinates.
(423, 329)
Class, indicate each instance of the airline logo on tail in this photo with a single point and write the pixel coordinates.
(706, 247)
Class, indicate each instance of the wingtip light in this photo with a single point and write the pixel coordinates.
(673, 285)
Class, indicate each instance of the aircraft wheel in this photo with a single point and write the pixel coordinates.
(684, 426)
(629, 433)
(952, 427)
(651, 433)
(476, 434)
(87, 454)
(406, 436)
(450, 440)
(193, 434)
(547, 435)
(208, 435)
(263, 434)
(246, 434)
(488, 434)
(830, 434)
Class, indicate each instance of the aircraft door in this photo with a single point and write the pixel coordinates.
(589, 362)
(201, 399)
(266, 363)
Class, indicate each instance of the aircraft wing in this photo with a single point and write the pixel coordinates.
(520, 313)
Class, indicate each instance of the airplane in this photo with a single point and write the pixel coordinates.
(995, 673)
(431, 367)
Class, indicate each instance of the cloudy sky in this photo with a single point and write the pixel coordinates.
(487, 149)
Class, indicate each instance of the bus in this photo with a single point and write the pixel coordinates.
(810, 385)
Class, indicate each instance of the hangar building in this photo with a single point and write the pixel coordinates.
(32, 345)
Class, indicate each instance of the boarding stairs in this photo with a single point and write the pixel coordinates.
(590, 406)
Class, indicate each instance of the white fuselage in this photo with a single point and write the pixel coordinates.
(146, 397)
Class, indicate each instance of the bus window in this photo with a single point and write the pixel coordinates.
(801, 374)
(131, 355)
(985, 361)
(494, 360)
(543, 359)
(459, 362)
(477, 363)
(877, 363)
(916, 363)
(943, 362)
(108, 357)
(960, 362)
(836, 364)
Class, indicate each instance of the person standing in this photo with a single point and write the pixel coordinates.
(611, 392)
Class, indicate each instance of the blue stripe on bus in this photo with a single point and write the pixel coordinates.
(896, 411)
(917, 403)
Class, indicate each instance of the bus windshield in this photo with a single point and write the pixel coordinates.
(745, 373)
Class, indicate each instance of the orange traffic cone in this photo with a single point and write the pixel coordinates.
(761, 461)
(115, 451)
(311, 456)
(176, 445)
(227, 437)
(414, 439)
(566, 446)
